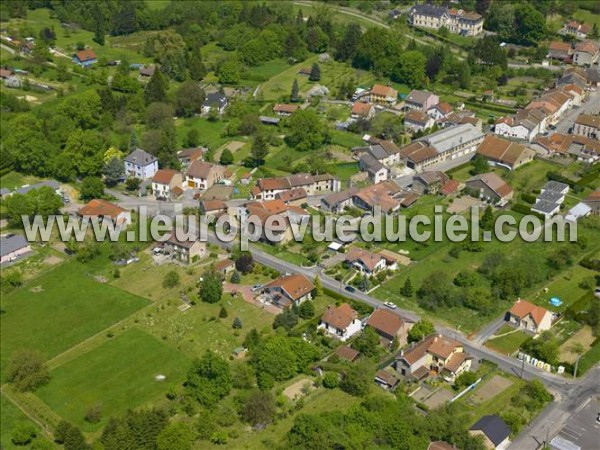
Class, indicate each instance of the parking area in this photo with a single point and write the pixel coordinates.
(582, 429)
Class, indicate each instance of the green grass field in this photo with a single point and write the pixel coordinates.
(509, 340)
(118, 375)
(67, 306)
(11, 417)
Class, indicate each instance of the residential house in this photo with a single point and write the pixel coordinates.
(164, 182)
(578, 95)
(553, 105)
(556, 186)
(347, 353)
(268, 188)
(389, 326)
(504, 153)
(385, 195)
(586, 53)
(386, 380)
(550, 198)
(225, 266)
(340, 322)
(495, 432)
(376, 170)
(526, 124)
(421, 100)
(189, 155)
(561, 51)
(457, 21)
(289, 290)
(362, 110)
(579, 30)
(386, 152)
(545, 208)
(435, 353)
(394, 14)
(429, 182)
(593, 75)
(416, 120)
(490, 187)
(147, 71)
(530, 317)
(267, 220)
(13, 247)
(384, 95)
(202, 175)
(285, 109)
(593, 201)
(587, 125)
(446, 144)
(214, 101)
(103, 210)
(367, 262)
(215, 208)
(462, 117)
(440, 111)
(293, 197)
(336, 203)
(185, 249)
(85, 57)
(140, 164)
(555, 143)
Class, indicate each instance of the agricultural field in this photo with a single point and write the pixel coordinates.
(67, 303)
(114, 377)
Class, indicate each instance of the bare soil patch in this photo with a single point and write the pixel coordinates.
(491, 388)
(583, 337)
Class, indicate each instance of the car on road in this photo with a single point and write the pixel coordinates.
(350, 289)
(390, 305)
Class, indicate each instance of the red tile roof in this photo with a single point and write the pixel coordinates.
(164, 176)
(385, 321)
(85, 55)
(296, 286)
(361, 109)
(524, 308)
(384, 91)
(285, 108)
(100, 208)
(340, 317)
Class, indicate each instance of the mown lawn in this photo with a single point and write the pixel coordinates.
(210, 132)
(117, 376)
(14, 180)
(508, 342)
(66, 306)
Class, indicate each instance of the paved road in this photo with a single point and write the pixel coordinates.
(591, 106)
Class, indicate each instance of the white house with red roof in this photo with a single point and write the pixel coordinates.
(341, 322)
(530, 317)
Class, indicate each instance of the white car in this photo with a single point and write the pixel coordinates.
(390, 305)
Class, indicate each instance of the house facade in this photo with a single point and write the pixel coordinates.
(340, 322)
(504, 153)
(140, 164)
(586, 53)
(105, 211)
(289, 290)
(417, 120)
(164, 182)
(184, 250)
(384, 95)
(457, 21)
(489, 187)
(529, 317)
(389, 326)
(11, 248)
(421, 100)
(203, 175)
(85, 58)
(587, 125)
(435, 353)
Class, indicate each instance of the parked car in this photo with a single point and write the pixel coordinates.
(390, 305)
(350, 288)
(256, 287)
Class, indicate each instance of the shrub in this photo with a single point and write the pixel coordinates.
(331, 380)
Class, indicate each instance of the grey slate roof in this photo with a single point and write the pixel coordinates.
(215, 99)
(140, 157)
(555, 186)
(544, 206)
(550, 196)
(50, 183)
(11, 244)
(369, 163)
(493, 427)
(427, 9)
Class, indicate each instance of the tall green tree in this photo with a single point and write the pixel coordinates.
(259, 150)
(315, 73)
(113, 172)
(294, 95)
(419, 330)
(209, 379)
(156, 89)
(211, 287)
(306, 130)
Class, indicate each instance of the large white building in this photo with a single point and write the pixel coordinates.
(446, 144)
(458, 21)
(140, 164)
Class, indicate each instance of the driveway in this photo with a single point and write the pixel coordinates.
(246, 292)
